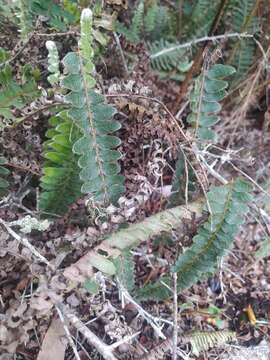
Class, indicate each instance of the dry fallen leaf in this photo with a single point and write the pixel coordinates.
(54, 344)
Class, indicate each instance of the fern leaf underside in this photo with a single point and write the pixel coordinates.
(60, 183)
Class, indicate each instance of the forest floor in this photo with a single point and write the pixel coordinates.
(236, 298)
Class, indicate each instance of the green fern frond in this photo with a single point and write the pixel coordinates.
(203, 340)
(53, 62)
(228, 205)
(162, 60)
(134, 31)
(243, 50)
(60, 183)
(25, 18)
(13, 95)
(58, 17)
(4, 172)
(203, 14)
(98, 157)
(209, 89)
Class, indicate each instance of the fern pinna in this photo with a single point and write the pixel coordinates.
(96, 148)
(60, 182)
(209, 89)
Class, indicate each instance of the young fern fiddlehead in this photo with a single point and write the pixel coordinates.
(96, 148)
(53, 62)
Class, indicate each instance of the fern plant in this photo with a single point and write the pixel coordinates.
(89, 161)
(243, 50)
(204, 340)
(209, 90)
(134, 31)
(227, 207)
(98, 157)
(60, 183)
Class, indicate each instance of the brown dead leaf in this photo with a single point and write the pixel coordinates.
(54, 345)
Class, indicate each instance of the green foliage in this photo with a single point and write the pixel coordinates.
(227, 206)
(162, 60)
(98, 157)
(204, 340)
(15, 96)
(60, 182)
(4, 172)
(202, 17)
(243, 50)
(133, 32)
(264, 249)
(53, 63)
(25, 18)
(58, 17)
(209, 89)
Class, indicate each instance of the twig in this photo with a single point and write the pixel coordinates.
(26, 243)
(9, 61)
(34, 113)
(76, 33)
(102, 348)
(124, 340)
(175, 313)
(69, 337)
(116, 38)
(250, 179)
(149, 318)
(197, 41)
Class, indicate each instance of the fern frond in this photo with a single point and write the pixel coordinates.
(53, 62)
(60, 183)
(134, 31)
(203, 340)
(203, 14)
(228, 205)
(4, 172)
(167, 61)
(13, 95)
(25, 17)
(58, 17)
(209, 89)
(98, 157)
(243, 50)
